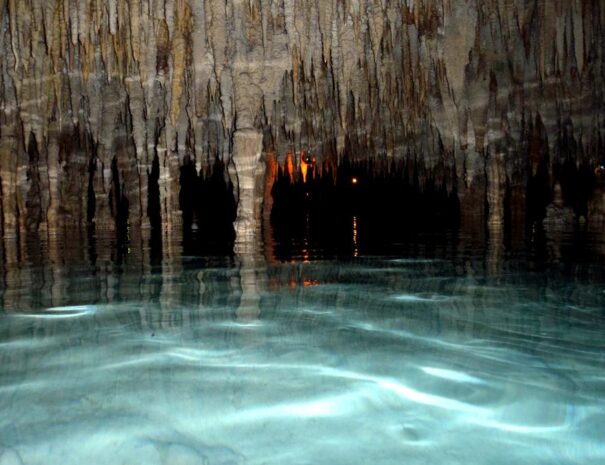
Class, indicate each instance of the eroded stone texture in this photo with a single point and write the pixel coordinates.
(488, 95)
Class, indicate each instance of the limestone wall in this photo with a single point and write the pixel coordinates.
(482, 93)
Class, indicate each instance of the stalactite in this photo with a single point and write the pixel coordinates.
(487, 94)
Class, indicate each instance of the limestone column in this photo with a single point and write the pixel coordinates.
(247, 151)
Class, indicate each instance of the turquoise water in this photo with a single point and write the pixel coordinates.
(438, 352)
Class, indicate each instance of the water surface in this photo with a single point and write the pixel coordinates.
(453, 351)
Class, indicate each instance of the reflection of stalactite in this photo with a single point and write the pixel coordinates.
(177, 299)
(249, 306)
(495, 248)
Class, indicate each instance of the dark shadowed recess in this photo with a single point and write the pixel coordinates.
(353, 209)
(208, 205)
(153, 211)
(346, 209)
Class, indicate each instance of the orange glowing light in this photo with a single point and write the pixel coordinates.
(289, 165)
(354, 180)
(306, 162)
(310, 282)
(304, 167)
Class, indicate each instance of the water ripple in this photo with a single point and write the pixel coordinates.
(74, 311)
(451, 375)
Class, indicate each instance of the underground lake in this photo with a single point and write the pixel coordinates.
(328, 232)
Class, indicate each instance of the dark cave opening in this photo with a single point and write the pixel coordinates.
(209, 208)
(354, 208)
(153, 194)
(154, 212)
(360, 208)
(119, 202)
(33, 199)
(578, 182)
(539, 194)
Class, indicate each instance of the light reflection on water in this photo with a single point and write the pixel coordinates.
(431, 355)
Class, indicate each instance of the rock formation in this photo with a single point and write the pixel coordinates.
(103, 102)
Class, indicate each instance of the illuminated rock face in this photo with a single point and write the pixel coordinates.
(484, 95)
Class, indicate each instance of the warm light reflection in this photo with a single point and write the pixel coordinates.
(355, 235)
(354, 180)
